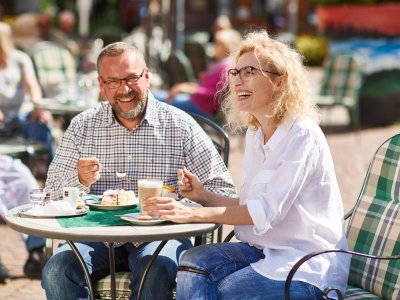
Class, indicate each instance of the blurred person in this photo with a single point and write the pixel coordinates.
(16, 181)
(290, 203)
(48, 32)
(147, 139)
(18, 80)
(66, 22)
(200, 97)
(220, 23)
(25, 32)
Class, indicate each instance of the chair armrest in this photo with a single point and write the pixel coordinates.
(229, 236)
(328, 289)
(348, 214)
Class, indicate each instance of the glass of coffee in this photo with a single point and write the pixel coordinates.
(148, 188)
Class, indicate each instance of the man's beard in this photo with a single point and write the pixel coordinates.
(134, 113)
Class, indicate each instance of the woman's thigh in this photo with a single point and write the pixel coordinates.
(220, 259)
(248, 284)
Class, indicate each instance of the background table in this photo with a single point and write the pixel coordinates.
(50, 228)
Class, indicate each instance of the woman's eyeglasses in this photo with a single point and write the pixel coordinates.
(130, 80)
(246, 73)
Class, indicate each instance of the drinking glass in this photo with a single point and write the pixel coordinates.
(148, 188)
(39, 197)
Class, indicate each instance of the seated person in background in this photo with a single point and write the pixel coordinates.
(48, 32)
(200, 97)
(16, 181)
(131, 133)
(221, 22)
(18, 80)
(290, 203)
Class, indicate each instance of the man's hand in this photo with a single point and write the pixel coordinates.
(88, 170)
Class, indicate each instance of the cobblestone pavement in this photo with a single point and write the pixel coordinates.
(351, 152)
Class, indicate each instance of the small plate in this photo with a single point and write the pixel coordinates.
(97, 205)
(33, 213)
(133, 218)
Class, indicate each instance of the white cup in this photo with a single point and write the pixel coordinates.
(148, 188)
(71, 194)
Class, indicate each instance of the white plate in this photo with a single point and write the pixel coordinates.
(97, 205)
(38, 213)
(133, 218)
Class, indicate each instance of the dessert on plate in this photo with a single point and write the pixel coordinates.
(118, 197)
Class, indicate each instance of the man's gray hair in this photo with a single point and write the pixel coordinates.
(116, 49)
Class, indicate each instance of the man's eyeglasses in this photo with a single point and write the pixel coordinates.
(246, 73)
(130, 80)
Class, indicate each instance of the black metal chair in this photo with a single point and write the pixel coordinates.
(178, 68)
(220, 140)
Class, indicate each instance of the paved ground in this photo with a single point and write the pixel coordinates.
(351, 153)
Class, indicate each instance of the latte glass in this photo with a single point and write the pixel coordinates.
(148, 188)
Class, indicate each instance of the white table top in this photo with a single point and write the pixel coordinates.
(50, 228)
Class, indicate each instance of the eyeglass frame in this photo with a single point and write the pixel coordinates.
(239, 72)
(137, 77)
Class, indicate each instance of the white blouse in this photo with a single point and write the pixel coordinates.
(290, 189)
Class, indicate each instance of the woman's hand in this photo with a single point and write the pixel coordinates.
(191, 186)
(168, 209)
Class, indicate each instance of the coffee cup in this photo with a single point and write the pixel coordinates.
(71, 194)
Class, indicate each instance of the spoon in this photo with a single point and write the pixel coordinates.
(119, 175)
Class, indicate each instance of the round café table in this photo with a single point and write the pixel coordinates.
(51, 229)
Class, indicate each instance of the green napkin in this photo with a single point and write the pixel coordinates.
(93, 197)
(97, 218)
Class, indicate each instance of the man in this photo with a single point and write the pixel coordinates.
(135, 134)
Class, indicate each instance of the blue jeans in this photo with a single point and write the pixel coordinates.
(223, 271)
(33, 242)
(63, 277)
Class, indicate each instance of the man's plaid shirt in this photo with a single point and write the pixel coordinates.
(165, 140)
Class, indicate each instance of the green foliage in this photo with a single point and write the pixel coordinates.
(313, 48)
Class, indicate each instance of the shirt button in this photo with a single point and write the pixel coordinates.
(129, 157)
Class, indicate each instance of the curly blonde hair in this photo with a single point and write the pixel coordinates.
(292, 100)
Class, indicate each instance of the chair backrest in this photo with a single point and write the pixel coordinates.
(217, 134)
(196, 52)
(342, 76)
(374, 227)
(55, 68)
(178, 68)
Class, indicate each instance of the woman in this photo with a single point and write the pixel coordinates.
(290, 203)
(18, 80)
(199, 97)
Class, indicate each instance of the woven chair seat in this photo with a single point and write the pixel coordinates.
(102, 287)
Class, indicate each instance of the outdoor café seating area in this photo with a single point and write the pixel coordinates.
(98, 197)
